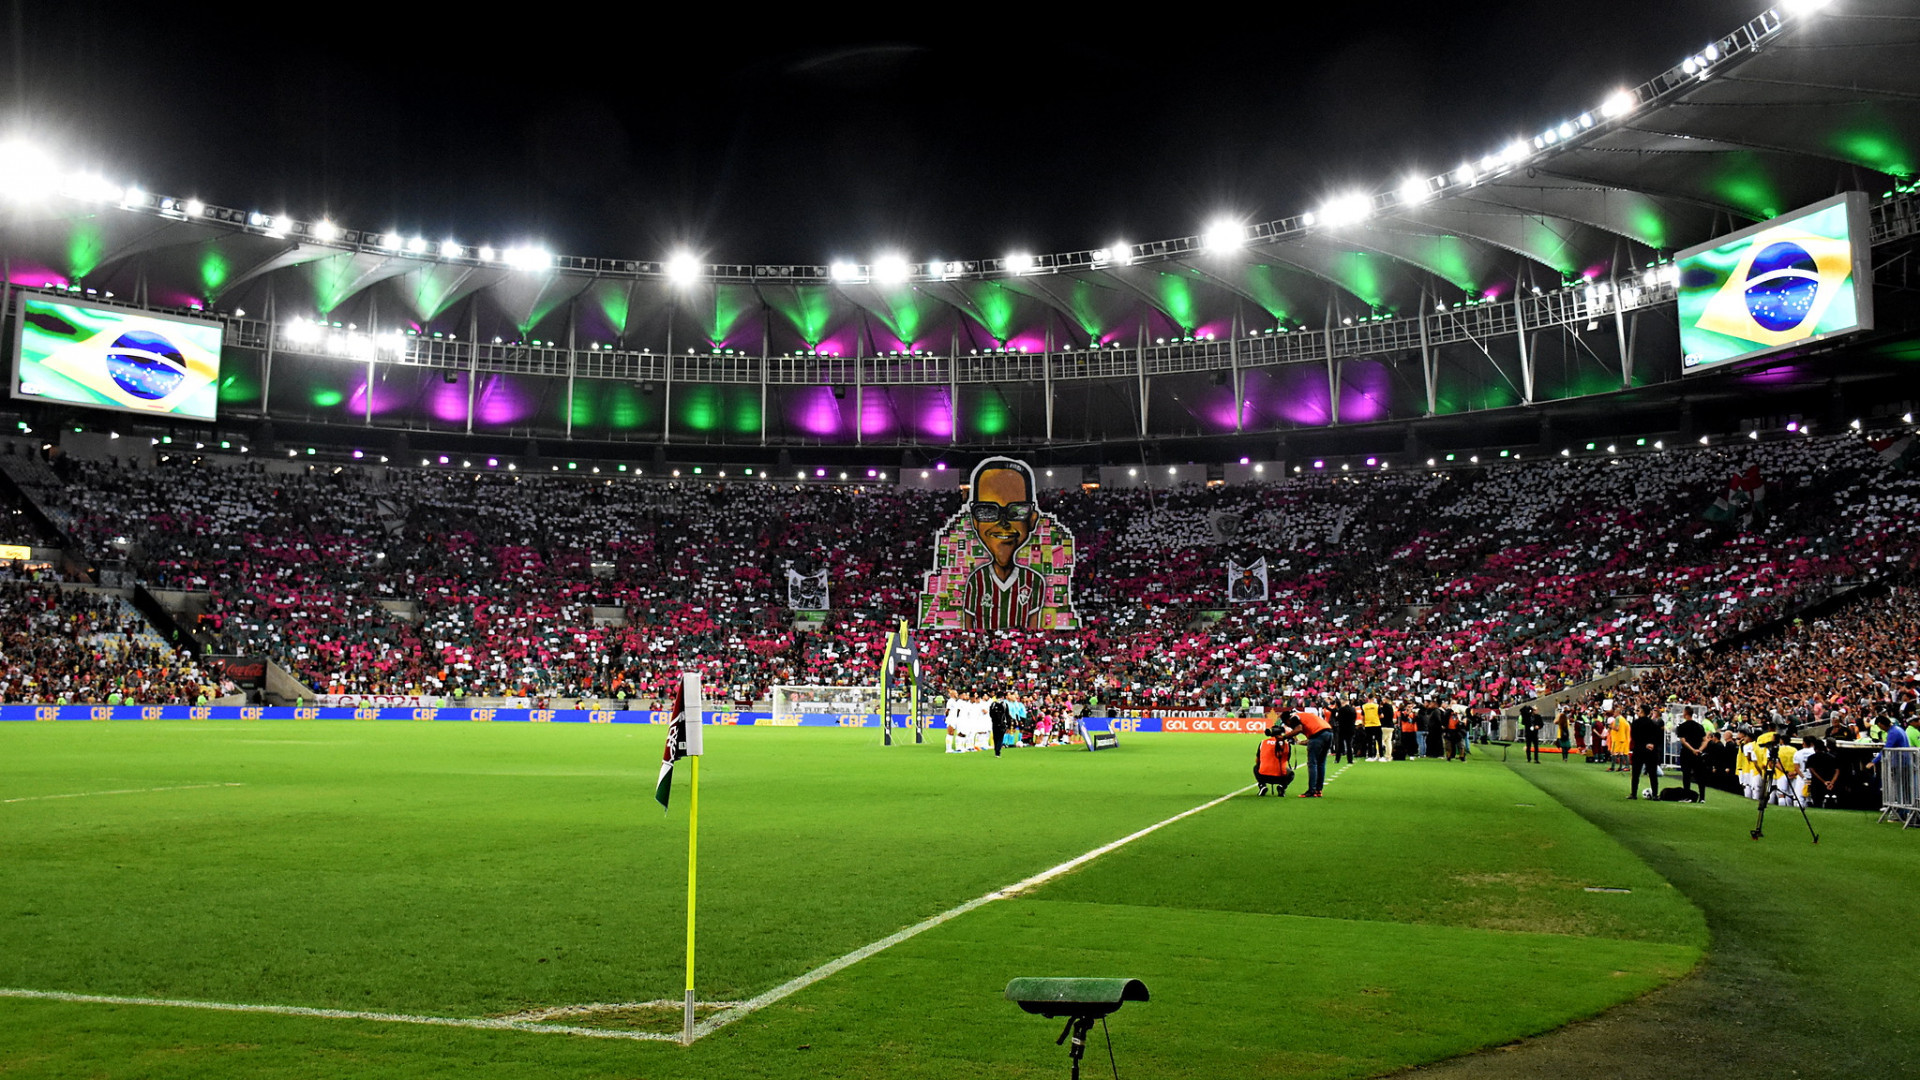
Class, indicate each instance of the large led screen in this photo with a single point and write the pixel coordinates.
(1799, 278)
(112, 359)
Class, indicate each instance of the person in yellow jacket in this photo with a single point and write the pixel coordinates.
(1619, 743)
(1370, 730)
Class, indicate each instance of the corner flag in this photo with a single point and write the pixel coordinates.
(683, 734)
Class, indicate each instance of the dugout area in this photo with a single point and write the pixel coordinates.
(1421, 911)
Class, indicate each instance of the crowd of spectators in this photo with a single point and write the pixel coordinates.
(69, 645)
(1488, 585)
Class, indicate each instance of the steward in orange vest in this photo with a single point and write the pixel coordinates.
(1272, 763)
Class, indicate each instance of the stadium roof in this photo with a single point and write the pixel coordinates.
(1782, 111)
(1800, 102)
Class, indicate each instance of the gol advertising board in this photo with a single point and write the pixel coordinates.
(108, 358)
(1800, 278)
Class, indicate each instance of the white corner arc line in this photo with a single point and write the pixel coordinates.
(481, 1023)
(792, 986)
(121, 791)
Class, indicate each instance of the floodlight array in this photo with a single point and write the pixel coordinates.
(28, 173)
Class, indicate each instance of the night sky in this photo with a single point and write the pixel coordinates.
(808, 135)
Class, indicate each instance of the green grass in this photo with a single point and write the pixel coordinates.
(1811, 944)
(1420, 911)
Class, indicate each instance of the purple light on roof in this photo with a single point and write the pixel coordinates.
(358, 454)
(1217, 331)
(940, 465)
(931, 409)
(815, 411)
(493, 463)
(1246, 461)
(443, 459)
(447, 401)
(1373, 461)
(876, 412)
(873, 472)
(34, 275)
(1366, 388)
(1494, 291)
(819, 472)
(389, 396)
(1027, 343)
(1319, 464)
(501, 403)
(1792, 426)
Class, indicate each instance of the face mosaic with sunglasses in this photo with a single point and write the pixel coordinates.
(1003, 593)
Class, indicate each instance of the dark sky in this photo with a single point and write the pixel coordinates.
(810, 134)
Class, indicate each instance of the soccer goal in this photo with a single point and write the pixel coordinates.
(845, 705)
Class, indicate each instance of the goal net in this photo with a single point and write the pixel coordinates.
(848, 705)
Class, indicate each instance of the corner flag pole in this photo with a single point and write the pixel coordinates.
(696, 719)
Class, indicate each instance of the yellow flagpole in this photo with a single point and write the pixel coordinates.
(693, 852)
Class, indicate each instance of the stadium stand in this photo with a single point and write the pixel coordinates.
(1495, 584)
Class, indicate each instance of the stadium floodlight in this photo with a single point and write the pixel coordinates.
(301, 331)
(1346, 210)
(450, 249)
(1516, 151)
(487, 254)
(1019, 262)
(27, 172)
(1224, 235)
(1414, 191)
(386, 240)
(194, 208)
(417, 246)
(891, 270)
(1703, 440)
(1618, 104)
(324, 231)
(683, 268)
(133, 196)
(1464, 174)
(954, 268)
(93, 188)
(844, 272)
(528, 258)
(1806, 7)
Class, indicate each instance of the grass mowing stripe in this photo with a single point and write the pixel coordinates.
(792, 986)
(483, 1023)
(121, 791)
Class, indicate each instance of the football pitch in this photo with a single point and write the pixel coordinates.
(443, 874)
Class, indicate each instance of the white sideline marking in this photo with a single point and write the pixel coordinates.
(483, 1023)
(555, 1012)
(122, 791)
(755, 1004)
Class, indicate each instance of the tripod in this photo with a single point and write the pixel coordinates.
(1078, 1027)
(1766, 793)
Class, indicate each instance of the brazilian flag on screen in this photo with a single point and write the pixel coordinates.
(118, 359)
(1787, 283)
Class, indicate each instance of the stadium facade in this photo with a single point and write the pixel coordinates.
(1525, 298)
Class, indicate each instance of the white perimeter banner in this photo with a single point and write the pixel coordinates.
(393, 701)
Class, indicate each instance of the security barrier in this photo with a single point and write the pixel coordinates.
(1900, 786)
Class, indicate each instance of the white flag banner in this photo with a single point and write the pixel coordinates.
(807, 592)
(1247, 584)
(1225, 526)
